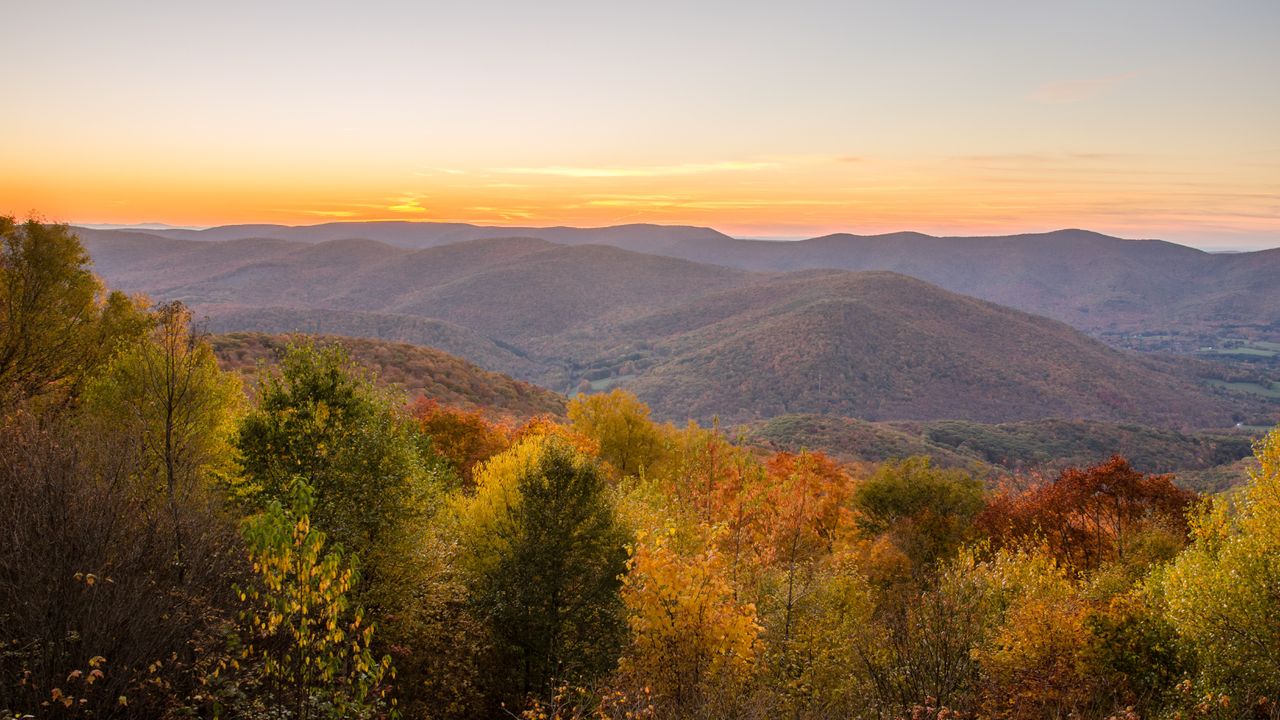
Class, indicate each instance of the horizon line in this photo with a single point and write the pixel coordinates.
(163, 226)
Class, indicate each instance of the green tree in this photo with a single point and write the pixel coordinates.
(57, 321)
(321, 419)
(926, 510)
(548, 554)
(165, 396)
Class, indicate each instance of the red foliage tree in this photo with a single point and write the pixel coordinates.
(463, 437)
(1088, 516)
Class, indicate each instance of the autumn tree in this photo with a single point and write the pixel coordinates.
(1092, 515)
(1222, 594)
(927, 511)
(166, 395)
(57, 321)
(821, 673)
(464, 438)
(918, 650)
(304, 649)
(692, 640)
(710, 474)
(546, 554)
(1030, 657)
(629, 441)
(803, 500)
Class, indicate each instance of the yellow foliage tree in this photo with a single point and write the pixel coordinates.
(689, 635)
(1032, 657)
(1222, 594)
(619, 423)
(310, 648)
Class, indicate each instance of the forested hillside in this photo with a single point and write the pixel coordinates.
(417, 372)
(883, 346)
(453, 339)
(1200, 461)
(693, 340)
(320, 545)
(1091, 281)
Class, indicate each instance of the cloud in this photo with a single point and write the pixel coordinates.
(407, 205)
(1073, 91)
(668, 202)
(330, 213)
(636, 170)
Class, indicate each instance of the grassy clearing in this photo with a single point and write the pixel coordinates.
(1251, 388)
(1250, 351)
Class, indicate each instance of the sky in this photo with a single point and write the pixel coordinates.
(761, 119)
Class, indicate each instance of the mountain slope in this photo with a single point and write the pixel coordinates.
(1094, 282)
(419, 371)
(884, 346)
(1091, 281)
(1200, 460)
(693, 339)
(506, 288)
(453, 339)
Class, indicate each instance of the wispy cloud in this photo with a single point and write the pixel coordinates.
(1073, 91)
(627, 171)
(670, 202)
(329, 213)
(406, 203)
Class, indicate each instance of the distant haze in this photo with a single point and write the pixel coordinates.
(1150, 118)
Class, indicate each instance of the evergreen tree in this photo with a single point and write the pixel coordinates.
(549, 589)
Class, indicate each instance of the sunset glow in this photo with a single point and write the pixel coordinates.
(756, 122)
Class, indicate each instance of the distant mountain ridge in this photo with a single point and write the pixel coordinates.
(693, 339)
(643, 237)
(1094, 282)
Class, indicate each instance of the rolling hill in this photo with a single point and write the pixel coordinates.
(882, 346)
(1094, 282)
(505, 288)
(693, 339)
(419, 371)
(641, 237)
(1089, 280)
(411, 329)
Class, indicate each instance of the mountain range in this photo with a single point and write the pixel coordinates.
(573, 310)
(1094, 282)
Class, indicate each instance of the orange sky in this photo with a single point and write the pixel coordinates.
(760, 122)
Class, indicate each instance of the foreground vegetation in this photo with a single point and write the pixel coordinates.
(1203, 461)
(319, 548)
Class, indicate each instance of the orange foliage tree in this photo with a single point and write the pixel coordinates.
(804, 499)
(463, 437)
(690, 636)
(1090, 516)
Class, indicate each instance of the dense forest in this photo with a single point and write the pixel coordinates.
(178, 542)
